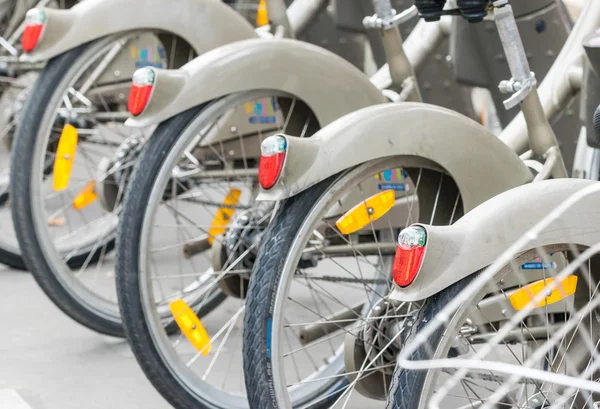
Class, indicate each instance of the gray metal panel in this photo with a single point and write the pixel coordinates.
(348, 44)
(481, 165)
(514, 212)
(478, 59)
(205, 24)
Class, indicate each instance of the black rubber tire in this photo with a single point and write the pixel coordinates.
(128, 282)
(262, 291)
(21, 169)
(407, 385)
(12, 260)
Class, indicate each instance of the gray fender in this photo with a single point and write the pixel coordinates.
(481, 236)
(327, 83)
(205, 24)
(480, 164)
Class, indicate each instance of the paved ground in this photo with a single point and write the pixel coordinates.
(50, 362)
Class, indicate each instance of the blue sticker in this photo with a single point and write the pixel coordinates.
(401, 187)
(142, 64)
(263, 119)
(538, 266)
(269, 326)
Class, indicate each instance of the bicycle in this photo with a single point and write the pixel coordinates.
(73, 154)
(181, 158)
(520, 329)
(443, 182)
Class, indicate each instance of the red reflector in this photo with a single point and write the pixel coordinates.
(273, 150)
(141, 90)
(406, 265)
(269, 168)
(409, 255)
(138, 99)
(31, 36)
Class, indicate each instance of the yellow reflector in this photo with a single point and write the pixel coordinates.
(224, 214)
(86, 197)
(190, 326)
(262, 18)
(65, 155)
(368, 211)
(520, 298)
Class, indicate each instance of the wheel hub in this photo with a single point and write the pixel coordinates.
(372, 344)
(113, 173)
(240, 247)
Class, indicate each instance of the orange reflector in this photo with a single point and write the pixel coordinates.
(262, 18)
(483, 115)
(65, 155)
(190, 326)
(523, 296)
(86, 197)
(224, 214)
(368, 211)
(56, 221)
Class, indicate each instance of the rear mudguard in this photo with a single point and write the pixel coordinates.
(327, 83)
(204, 24)
(435, 137)
(480, 237)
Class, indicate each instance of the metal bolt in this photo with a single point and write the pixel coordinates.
(67, 157)
(193, 326)
(370, 210)
(231, 152)
(121, 96)
(504, 312)
(234, 129)
(117, 73)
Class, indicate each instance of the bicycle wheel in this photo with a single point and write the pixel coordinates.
(189, 230)
(489, 312)
(318, 328)
(11, 106)
(15, 83)
(71, 157)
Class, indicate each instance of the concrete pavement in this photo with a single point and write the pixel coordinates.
(47, 361)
